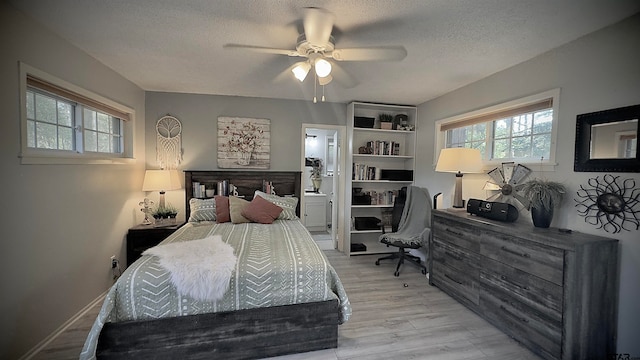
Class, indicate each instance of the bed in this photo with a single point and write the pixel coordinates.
(283, 297)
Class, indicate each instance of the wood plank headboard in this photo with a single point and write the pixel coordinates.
(247, 182)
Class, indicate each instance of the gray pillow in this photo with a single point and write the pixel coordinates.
(202, 210)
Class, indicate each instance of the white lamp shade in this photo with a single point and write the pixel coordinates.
(463, 160)
(323, 67)
(161, 180)
(301, 70)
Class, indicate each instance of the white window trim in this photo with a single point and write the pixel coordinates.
(31, 156)
(546, 165)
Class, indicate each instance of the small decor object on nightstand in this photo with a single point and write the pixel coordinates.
(165, 215)
(608, 204)
(146, 209)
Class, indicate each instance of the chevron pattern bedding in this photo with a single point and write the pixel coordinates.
(278, 264)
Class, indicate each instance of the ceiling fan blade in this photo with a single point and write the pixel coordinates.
(325, 80)
(318, 24)
(261, 49)
(342, 77)
(383, 53)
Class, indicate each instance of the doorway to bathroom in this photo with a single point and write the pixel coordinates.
(322, 165)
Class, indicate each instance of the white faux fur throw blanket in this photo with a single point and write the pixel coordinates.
(200, 268)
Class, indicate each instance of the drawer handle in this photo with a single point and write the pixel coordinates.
(506, 249)
(457, 257)
(455, 232)
(519, 318)
(452, 279)
(504, 278)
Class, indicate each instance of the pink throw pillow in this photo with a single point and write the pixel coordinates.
(261, 211)
(222, 209)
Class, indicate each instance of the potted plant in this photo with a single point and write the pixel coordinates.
(386, 121)
(165, 215)
(316, 174)
(544, 196)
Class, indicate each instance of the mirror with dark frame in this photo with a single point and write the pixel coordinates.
(606, 141)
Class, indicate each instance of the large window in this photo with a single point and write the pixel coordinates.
(68, 122)
(522, 130)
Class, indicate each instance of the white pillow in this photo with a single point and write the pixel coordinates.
(287, 203)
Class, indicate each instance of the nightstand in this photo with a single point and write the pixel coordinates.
(141, 237)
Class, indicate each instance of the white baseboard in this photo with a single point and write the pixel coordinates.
(46, 341)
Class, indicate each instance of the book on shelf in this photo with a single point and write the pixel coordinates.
(381, 147)
(386, 197)
(199, 190)
(363, 172)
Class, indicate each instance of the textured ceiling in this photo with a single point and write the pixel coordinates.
(177, 46)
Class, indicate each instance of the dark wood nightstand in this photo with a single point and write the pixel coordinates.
(141, 237)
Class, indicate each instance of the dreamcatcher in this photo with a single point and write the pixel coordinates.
(168, 142)
(507, 179)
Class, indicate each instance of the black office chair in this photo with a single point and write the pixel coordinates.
(412, 219)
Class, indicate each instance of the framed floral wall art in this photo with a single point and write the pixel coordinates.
(243, 143)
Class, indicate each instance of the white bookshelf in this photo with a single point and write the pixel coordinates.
(404, 159)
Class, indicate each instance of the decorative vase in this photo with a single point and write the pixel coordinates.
(317, 181)
(244, 158)
(541, 217)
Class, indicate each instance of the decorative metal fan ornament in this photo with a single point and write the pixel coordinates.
(507, 179)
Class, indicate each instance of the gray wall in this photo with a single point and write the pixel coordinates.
(60, 224)
(199, 116)
(597, 72)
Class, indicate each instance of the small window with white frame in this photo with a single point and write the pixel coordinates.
(62, 123)
(522, 130)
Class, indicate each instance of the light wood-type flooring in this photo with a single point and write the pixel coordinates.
(393, 318)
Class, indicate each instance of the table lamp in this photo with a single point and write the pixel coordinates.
(459, 161)
(161, 180)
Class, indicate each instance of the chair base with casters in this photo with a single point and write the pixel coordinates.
(403, 255)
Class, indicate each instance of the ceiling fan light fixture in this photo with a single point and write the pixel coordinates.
(301, 70)
(323, 67)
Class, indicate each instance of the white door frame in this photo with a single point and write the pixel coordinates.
(337, 212)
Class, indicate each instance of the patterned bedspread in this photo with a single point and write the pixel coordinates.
(278, 264)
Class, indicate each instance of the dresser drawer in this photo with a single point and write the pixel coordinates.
(456, 283)
(541, 295)
(539, 333)
(455, 257)
(540, 260)
(458, 233)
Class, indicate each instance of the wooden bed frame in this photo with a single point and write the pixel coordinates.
(242, 334)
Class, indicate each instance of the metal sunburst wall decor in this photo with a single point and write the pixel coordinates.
(608, 204)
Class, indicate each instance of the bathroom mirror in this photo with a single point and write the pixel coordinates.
(606, 141)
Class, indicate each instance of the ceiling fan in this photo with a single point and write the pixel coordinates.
(317, 46)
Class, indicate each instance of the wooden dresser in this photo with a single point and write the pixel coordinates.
(554, 292)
